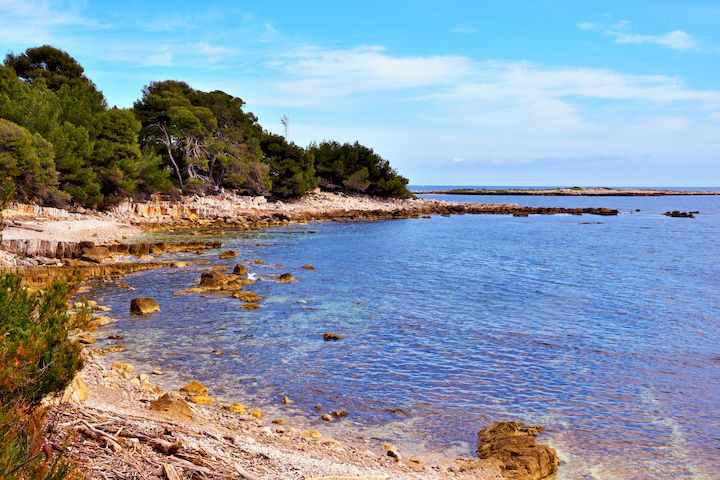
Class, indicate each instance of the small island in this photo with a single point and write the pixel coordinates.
(570, 192)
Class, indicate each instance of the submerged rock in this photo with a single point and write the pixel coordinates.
(250, 306)
(143, 306)
(519, 455)
(249, 297)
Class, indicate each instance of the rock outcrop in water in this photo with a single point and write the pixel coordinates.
(679, 214)
(514, 447)
(143, 306)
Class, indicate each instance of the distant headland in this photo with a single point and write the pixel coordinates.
(570, 192)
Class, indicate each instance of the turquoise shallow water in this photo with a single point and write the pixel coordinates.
(604, 329)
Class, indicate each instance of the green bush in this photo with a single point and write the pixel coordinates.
(36, 359)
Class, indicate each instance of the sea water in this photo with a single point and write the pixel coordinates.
(606, 330)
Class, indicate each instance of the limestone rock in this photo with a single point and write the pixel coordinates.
(256, 412)
(76, 392)
(85, 339)
(312, 433)
(194, 388)
(240, 270)
(143, 306)
(96, 254)
(519, 455)
(307, 266)
(327, 417)
(286, 278)
(248, 297)
(172, 405)
(201, 399)
(228, 254)
(329, 336)
(123, 367)
(213, 280)
(236, 408)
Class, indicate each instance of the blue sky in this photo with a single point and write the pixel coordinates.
(451, 92)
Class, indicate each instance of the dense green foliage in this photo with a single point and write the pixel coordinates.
(205, 137)
(356, 168)
(36, 359)
(291, 167)
(59, 142)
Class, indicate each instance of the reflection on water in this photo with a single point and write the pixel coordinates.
(604, 332)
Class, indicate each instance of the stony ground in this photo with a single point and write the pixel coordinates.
(117, 429)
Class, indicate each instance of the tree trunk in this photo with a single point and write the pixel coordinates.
(168, 145)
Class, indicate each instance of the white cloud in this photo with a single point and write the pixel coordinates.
(461, 30)
(317, 76)
(269, 33)
(677, 39)
(37, 21)
(620, 24)
(320, 77)
(586, 26)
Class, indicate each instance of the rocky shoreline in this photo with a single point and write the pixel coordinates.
(115, 422)
(35, 236)
(208, 440)
(571, 192)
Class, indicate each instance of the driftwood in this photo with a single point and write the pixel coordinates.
(170, 472)
(245, 475)
(139, 447)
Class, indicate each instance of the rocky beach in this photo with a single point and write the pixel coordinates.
(120, 423)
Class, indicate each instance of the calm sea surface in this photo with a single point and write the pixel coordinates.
(606, 330)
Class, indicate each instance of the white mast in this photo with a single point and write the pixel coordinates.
(285, 121)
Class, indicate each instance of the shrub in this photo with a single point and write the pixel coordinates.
(36, 359)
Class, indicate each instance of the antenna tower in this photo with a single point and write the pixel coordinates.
(285, 121)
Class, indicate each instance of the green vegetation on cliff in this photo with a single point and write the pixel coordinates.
(60, 143)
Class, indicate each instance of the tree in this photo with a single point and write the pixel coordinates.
(292, 168)
(39, 110)
(153, 178)
(356, 168)
(28, 159)
(205, 137)
(117, 155)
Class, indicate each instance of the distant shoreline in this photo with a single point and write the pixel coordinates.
(569, 192)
